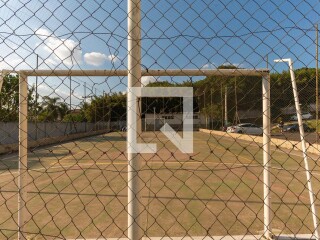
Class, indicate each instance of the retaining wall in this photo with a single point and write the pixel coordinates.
(280, 143)
(7, 148)
(9, 132)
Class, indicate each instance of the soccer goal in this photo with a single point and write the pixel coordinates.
(151, 124)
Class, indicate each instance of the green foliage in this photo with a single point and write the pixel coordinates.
(52, 109)
(34, 107)
(9, 98)
(161, 84)
(243, 92)
(106, 108)
(281, 94)
(208, 98)
(49, 110)
(70, 117)
(227, 66)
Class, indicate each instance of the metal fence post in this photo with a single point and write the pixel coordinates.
(266, 155)
(304, 148)
(23, 158)
(134, 80)
(303, 145)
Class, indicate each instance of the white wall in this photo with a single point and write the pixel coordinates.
(9, 131)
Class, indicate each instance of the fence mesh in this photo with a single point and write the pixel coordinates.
(72, 179)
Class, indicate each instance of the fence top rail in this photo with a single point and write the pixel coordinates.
(144, 72)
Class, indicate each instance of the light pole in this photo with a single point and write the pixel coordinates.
(103, 99)
(154, 119)
(36, 102)
(84, 103)
(201, 110)
(226, 107)
(95, 109)
(204, 108)
(70, 108)
(222, 108)
(211, 109)
(85, 92)
(70, 105)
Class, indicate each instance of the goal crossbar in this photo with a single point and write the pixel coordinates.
(144, 72)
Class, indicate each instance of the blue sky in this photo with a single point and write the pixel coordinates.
(175, 34)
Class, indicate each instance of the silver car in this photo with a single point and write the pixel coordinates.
(247, 128)
(303, 116)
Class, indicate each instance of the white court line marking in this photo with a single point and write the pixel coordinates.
(16, 156)
(55, 146)
(163, 162)
(226, 237)
(126, 163)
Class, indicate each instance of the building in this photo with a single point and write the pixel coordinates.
(155, 121)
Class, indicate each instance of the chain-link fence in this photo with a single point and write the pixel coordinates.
(159, 119)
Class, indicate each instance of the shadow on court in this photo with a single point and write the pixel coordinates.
(104, 138)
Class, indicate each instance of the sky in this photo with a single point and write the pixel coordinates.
(197, 34)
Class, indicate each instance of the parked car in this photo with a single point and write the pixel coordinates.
(294, 127)
(247, 128)
(303, 115)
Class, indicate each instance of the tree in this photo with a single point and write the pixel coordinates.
(9, 98)
(63, 110)
(34, 107)
(52, 109)
(110, 107)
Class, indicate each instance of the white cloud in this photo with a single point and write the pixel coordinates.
(43, 33)
(98, 59)
(13, 62)
(148, 79)
(209, 66)
(95, 58)
(51, 61)
(113, 58)
(46, 90)
(59, 50)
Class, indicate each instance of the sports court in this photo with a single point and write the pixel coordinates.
(79, 189)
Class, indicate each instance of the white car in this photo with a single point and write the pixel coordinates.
(303, 115)
(247, 128)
